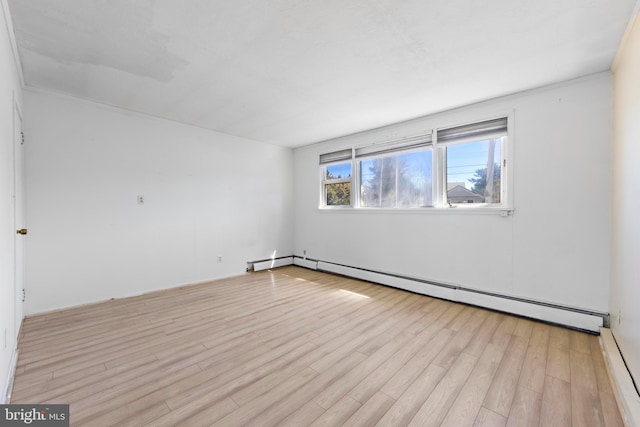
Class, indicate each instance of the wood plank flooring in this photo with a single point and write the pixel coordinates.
(296, 347)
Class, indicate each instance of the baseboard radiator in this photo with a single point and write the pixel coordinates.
(266, 264)
(576, 318)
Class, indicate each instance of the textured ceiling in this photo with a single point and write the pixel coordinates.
(294, 72)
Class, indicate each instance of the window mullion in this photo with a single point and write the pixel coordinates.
(356, 185)
(490, 172)
(439, 181)
(435, 168)
(397, 186)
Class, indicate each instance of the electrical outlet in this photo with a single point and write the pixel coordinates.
(140, 199)
(219, 258)
(304, 253)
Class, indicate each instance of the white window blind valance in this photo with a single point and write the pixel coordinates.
(336, 156)
(482, 130)
(410, 143)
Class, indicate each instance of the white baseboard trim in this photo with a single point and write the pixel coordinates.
(6, 393)
(626, 394)
(553, 313)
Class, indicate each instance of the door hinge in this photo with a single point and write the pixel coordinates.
(24, 294)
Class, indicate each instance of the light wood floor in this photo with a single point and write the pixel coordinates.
(298, 347)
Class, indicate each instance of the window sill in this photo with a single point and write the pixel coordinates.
(458, 210)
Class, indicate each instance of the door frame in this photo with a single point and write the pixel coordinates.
(19, 220)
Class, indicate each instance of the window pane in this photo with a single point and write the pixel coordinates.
(338, 194)
(342, 170)
(474, 172)
(403, 180)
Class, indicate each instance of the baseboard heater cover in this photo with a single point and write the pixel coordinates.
(576, 318)
(266, 264)
(306, 262)
(568, 316)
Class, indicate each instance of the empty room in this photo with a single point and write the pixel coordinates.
(311, 213)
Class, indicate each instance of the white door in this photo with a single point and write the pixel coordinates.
(19, 218)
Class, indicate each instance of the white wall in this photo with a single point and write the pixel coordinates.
(625, 238)
(10, 92)
(554, 248)
(206, 194)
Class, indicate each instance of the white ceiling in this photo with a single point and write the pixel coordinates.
(294, 72)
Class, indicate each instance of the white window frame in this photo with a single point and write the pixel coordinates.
(440, 166)
(357, 167)
(330, 159)
(438, 170)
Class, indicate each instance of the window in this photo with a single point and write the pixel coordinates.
(396, 181)
(336, 178)
(448, 167)
(474, 160)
